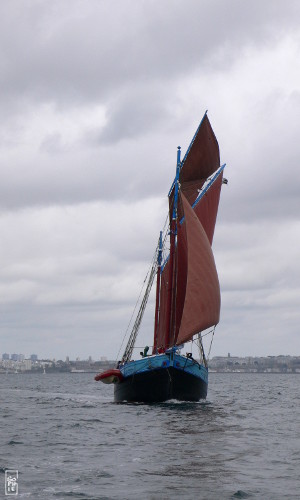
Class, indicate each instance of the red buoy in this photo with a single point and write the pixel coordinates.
(113, 376)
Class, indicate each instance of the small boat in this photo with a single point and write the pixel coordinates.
(187, 286)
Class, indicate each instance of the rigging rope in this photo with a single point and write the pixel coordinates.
(199, 343)
(212, 337)
(153, 264)
(130, 345)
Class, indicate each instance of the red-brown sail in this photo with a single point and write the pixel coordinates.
(202, 298)
(162, 325)
(202, 158)
(181, 276)
(200, 162)
(207, 207)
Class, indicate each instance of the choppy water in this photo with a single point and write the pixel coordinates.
(67, 439)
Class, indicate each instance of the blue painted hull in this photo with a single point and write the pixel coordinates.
(161, 378)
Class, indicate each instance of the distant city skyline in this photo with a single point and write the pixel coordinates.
(270, 364)
(35, 357)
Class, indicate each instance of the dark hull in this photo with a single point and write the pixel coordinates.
(160, 385)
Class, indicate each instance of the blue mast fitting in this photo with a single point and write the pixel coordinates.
(176, 184)
(202, 193)
(159, 256)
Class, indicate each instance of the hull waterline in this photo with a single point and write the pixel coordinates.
(158, 379)
(160, 385)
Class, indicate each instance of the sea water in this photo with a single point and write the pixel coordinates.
(67, 439)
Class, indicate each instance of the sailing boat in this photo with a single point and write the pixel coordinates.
(187, 286)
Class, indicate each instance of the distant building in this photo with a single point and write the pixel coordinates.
(27, 364)
(14, 357)
(5, 356)
(33, 357)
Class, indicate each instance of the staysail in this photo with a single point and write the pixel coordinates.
(202, 300)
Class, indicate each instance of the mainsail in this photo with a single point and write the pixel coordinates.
(189, 292)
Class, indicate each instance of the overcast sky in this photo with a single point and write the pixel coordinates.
(96, 95)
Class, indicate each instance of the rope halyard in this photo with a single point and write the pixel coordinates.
(134, 332)
(212, 337)
(201, 350)
(153, 263)
(199, 342)
(130, 345)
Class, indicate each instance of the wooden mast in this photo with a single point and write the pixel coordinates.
(173, 234)
(158, 280)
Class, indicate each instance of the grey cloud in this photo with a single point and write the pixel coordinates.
(52, 144)
(75, 56)
(264, 175)
(135, 113)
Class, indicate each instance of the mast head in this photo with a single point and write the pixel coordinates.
(178, 158)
